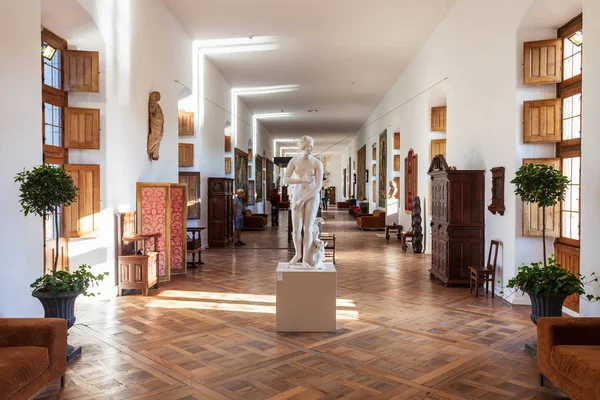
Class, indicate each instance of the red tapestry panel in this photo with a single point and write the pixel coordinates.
(177, 227)
(410, 180)
(154, 220)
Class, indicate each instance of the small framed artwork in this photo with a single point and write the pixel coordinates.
(227, 165)
(397, 162)
(497, 205)
(227, 144)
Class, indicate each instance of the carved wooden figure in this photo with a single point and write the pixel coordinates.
(157, 125)
(417, 230)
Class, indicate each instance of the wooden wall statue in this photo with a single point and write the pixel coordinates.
(417, 229)
(157, 125)
(410, 180)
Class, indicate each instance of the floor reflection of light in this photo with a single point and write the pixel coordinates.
(238, 297)
(346, 315)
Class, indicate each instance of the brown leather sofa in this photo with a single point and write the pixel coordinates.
(33, 353)
(569, 355)
(371, 221)
(254, 221)
(343, 204)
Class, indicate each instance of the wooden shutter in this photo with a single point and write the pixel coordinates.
(438, 119)
(186, 155)
(186, 123)
(542, 121)
(396, 141)
(543, 61)
(192, 180)
(82, 128)
(82, 71)
(532, 214)
(81, 217)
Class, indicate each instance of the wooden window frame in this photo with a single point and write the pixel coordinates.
(572, 147)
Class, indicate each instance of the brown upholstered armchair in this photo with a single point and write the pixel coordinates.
(33, 353)
(371, 221)
(569, 355)
(254, 221)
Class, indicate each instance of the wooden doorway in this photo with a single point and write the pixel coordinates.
(332, 195)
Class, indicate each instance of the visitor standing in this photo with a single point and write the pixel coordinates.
(238, 218)
(275, 199)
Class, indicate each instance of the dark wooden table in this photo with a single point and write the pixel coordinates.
(394, 227)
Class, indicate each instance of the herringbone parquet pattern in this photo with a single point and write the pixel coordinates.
(210, 334)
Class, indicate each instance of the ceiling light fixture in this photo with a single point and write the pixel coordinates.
(313, 110)
(577, 38)
(48, 51)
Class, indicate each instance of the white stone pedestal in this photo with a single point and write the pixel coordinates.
(306, 299)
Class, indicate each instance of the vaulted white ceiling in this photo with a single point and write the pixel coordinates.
(344, 55)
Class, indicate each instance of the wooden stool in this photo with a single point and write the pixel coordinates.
(405, 238)
(485, 274)
(194, 246)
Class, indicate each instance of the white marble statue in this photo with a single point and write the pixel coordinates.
(305, 173)
(319, 255)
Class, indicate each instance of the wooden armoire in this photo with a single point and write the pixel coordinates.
(220, 212)
(458, 221)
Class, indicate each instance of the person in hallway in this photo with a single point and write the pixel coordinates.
(238, 218)
(275, 199)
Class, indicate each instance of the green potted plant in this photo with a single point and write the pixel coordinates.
(45, 189)
(549, 285)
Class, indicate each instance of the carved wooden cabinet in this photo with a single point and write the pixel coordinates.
(458, 221)
(220, 212)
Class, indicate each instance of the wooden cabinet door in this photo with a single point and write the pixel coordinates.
(186, 123)
(532, 214)
(82, 128)
(542, 121)
(186, 155)
(81, 71)
(82, 217)
(543, 61)
(568, 258)
(439, 199)
(192, 180)
(438, 119)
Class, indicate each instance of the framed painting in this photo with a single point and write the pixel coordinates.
(361, 161)
(227, 166)
(250, 193)
(382, 168)
(269, 177)
(258, 177)
(241, 170)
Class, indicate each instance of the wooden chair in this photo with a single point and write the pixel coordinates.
(485, 274)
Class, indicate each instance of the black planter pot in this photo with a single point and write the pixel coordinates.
(544, 306)
(61, 306)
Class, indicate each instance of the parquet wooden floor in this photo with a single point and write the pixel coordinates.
(210, 334)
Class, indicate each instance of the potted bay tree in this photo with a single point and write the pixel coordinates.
(546, 282)
(44, 190)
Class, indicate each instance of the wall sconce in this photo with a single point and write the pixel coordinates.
(48, 51)
(367, 174)
(577, 38)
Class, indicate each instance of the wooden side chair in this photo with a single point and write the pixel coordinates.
(486, 273)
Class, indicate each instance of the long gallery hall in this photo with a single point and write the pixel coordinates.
(267, 199)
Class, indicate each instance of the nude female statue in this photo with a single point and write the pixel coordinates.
(305, 173)
(157, 122)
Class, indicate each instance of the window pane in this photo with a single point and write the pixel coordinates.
(566, 205)
(575, 226)
(567, 129)
(577, 64)
(575, 198)
(576, 105)
(566, 167)
(567, 48)
(568, 107)
(49, 222)
(568, 68)
(566, 224)
(576, 170)
(576, 127)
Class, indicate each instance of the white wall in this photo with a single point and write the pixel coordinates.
(478, 48)
(590, 174)
(21, 238)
